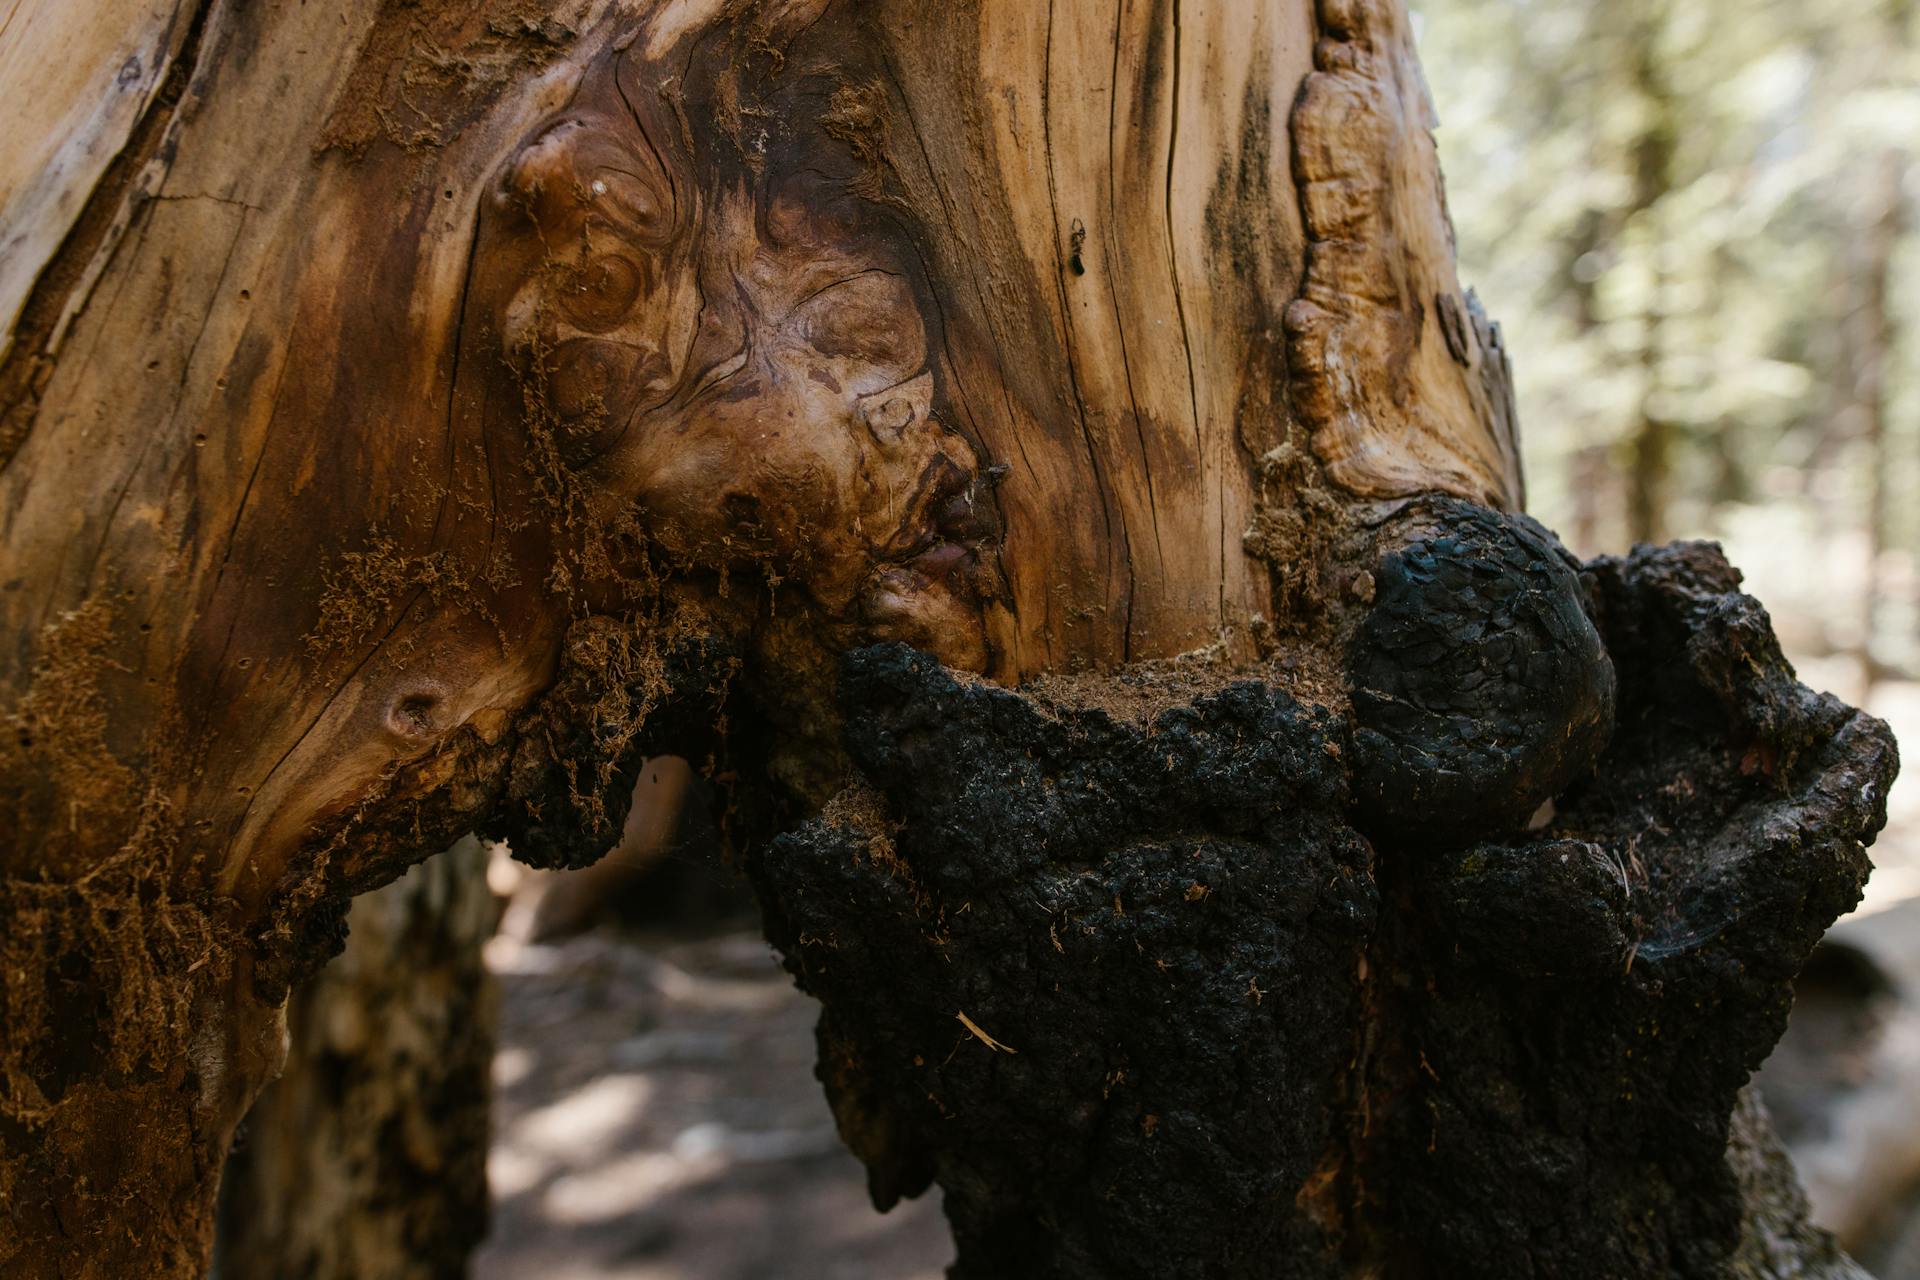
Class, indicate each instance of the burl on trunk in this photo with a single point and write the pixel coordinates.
(1040, 457)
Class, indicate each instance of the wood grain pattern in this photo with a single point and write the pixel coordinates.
(79, 78)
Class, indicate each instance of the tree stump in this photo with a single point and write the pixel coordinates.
(415, 416)
(368, 1156)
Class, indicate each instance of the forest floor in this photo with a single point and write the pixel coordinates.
(656, 1116)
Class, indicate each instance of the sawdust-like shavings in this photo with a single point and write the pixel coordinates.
(1297, 525)
(586, 532)
(59, 727)
(428, 69)
(1133, 695)
(121, 919)
(360, 589)
(629, 680)
(856, 116)
(860, 808)
(1139, 694)
(147, 951)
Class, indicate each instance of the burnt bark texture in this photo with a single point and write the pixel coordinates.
(415, 416)
(1121, 971)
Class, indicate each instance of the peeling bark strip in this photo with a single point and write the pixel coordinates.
(434, 409)
(1252, 1044)
(1402, 395)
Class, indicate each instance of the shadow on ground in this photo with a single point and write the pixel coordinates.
(656, 1118)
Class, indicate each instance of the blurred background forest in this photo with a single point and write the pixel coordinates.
(1695, 222)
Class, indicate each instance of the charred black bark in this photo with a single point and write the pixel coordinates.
(1137, 992)
(1583, 1008)
(1102, 984)
(1480, 687)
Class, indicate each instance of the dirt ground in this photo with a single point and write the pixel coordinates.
(657, 1119)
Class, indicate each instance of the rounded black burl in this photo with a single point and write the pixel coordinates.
(1480, 685)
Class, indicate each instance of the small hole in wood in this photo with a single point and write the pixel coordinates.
(414, 716)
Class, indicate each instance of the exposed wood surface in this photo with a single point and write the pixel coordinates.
(1402, 378)
(234, 477)
(78, 76)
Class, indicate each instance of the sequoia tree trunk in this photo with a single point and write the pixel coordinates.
(1047, 443)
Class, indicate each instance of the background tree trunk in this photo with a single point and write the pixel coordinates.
(1650, 447)
(367, 1157)
(1874, 344)
(430, 412)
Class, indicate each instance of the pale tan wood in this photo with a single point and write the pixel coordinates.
(1134, 191)
(78, 74)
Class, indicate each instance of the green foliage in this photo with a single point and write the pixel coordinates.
(1674, 209)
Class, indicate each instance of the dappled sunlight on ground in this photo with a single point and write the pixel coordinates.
(657, 1119)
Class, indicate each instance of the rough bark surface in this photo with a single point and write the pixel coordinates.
(1098, 976)
(1130, 983)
